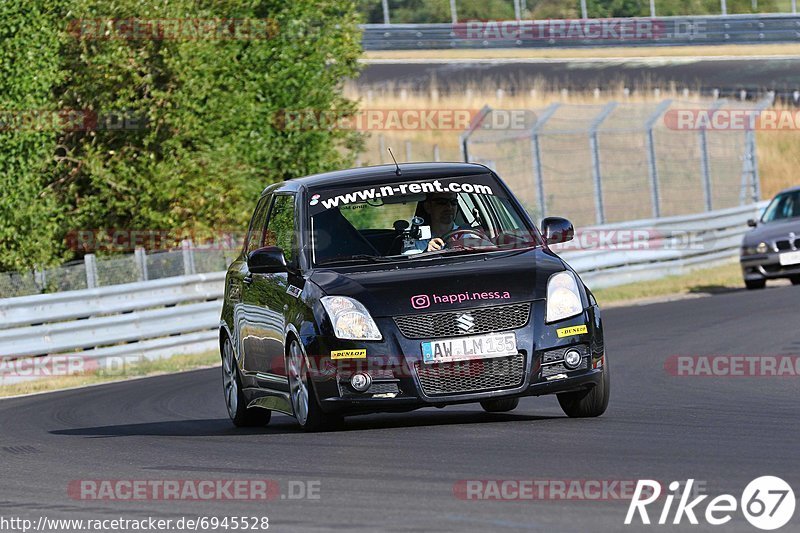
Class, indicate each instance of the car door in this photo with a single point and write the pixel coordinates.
(268, 298)
(242, 324)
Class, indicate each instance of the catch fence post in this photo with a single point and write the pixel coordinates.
(90, 261)
(652, 161)
(536, 156)
(705, 164)
(594, 147)
(188, 257)
(140, 258)
(475, 124)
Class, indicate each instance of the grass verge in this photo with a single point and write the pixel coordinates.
(742, 50)
(177, 363)
(706, 281)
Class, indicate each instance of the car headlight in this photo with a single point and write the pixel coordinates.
(563, 297)
(350, 319)
(762, 248)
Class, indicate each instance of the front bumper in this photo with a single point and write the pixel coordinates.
(766, 266)
(395, 365)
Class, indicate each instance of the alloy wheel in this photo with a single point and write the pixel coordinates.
(298, 383)
(229, 385)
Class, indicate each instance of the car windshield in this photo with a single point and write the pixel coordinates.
(784, 206)
(404, 220)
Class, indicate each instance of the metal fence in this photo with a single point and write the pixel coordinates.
(98, 271)
(598, 164)
(120, 323)
(663, 247)
(664, 31)
(521, 8)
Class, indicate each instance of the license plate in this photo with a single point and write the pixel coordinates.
(790, 258)
(465, 348)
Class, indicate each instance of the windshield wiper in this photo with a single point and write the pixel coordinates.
(449, 252)
(358, 258)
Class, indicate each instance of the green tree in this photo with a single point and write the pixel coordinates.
(204, 141)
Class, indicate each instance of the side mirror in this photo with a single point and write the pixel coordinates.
(266, 260)
(557, 230)
(752, 223)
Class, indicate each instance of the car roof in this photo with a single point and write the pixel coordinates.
(796, 188)
(382, 173)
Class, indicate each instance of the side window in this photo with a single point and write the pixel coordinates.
(256, 230)
(280, 227)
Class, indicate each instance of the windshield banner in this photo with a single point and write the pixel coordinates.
(323, 200)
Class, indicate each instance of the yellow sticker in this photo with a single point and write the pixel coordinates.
(572, 330)
(349, 354)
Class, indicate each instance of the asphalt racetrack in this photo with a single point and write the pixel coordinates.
(398, 471)
(728, 75)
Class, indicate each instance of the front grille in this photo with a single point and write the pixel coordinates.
(383, 388)
(447, 324)
(782, 246)
(475, 375)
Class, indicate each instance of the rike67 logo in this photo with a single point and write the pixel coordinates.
(767, 502)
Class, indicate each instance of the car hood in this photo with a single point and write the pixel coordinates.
(772, 231)
(421, 287)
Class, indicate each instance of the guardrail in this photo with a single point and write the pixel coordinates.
(168, 316)
(660, 31)
(148, 319)
(644, 250)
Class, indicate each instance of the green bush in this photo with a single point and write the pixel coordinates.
(201, 139)
(29, 70)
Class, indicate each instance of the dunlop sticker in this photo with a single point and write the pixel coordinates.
(572, 330)
(349, 354)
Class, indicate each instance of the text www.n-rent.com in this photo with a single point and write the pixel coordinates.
(403, 188)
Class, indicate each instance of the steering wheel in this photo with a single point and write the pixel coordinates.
(460, 233)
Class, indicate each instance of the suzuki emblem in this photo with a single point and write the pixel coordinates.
(465, 322)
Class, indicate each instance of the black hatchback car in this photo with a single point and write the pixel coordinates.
(394, 288)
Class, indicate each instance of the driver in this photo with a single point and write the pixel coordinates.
(441, 208)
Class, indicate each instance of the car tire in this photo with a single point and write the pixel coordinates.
(304, 402)
(754, 284)
(500, 405)
(588, 403)
(795, 280)
(235, 400)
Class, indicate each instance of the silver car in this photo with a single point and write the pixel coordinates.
(772, 249)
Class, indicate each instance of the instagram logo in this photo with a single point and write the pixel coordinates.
(420, 301)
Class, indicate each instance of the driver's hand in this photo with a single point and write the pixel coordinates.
(435, 244)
